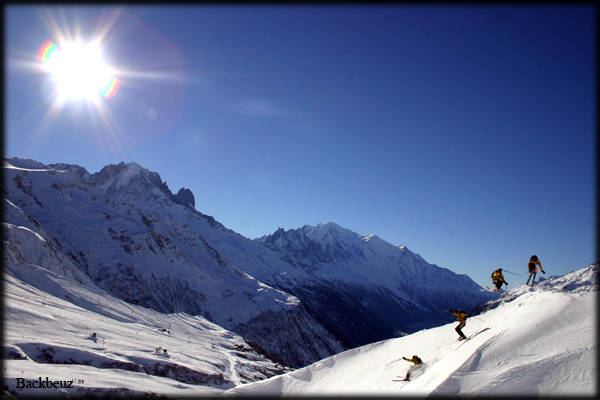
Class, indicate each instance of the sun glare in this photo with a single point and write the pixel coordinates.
(82, 86)
(78, 71)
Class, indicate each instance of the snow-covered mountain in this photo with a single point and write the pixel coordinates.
(535, 342)
(123, 231)
(302, 295)
(365, 287)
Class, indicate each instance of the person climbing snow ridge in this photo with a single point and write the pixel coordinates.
(532, 265)
(498, 280)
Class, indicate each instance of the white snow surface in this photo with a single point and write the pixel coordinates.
(49, 322)
(541, 343)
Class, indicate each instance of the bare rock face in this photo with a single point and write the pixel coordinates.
(185, 197)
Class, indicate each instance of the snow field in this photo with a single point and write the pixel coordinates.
(539, 342)
(543, 343)
(50, 335)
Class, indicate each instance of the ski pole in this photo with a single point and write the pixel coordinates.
(510, 272)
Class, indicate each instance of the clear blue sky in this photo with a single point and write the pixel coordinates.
(466, 133)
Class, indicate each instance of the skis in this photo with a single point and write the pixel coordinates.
(414, 371)
(495, 291)
(463, 342)
(488, 289)
(473, 335)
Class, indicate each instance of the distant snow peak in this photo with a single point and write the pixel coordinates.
(393, 286)
(131, 183)
(330, 225)
(121, 174)
(333, 227)
(79, 170)
(368, 238)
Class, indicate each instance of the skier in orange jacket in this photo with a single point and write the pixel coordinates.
(532, 265)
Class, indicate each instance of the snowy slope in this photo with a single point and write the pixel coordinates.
(48, 326)
(543, 342)
(122, 230)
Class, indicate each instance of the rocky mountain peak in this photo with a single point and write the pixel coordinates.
(77, 169)
(132, 183)
(185, 197)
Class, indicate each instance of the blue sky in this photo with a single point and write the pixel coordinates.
(466, 133)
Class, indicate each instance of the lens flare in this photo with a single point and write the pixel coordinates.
(111, 88)
(78, 71)
(82, 90)
(46, 51)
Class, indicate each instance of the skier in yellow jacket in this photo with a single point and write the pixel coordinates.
(498, 279)
(532, 265)
(462, 318)
(418, 363)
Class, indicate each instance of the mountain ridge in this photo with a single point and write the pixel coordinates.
(152, 253)
(127, 232)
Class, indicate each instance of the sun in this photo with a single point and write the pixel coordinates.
(93, 79)
(78, 71)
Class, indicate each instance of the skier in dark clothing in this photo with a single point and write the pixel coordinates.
(417, 364)
(532, 266)
(462, 318)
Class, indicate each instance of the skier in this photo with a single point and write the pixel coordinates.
(462, 318)
(418, 363)
(532, 265)
(498, 280)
